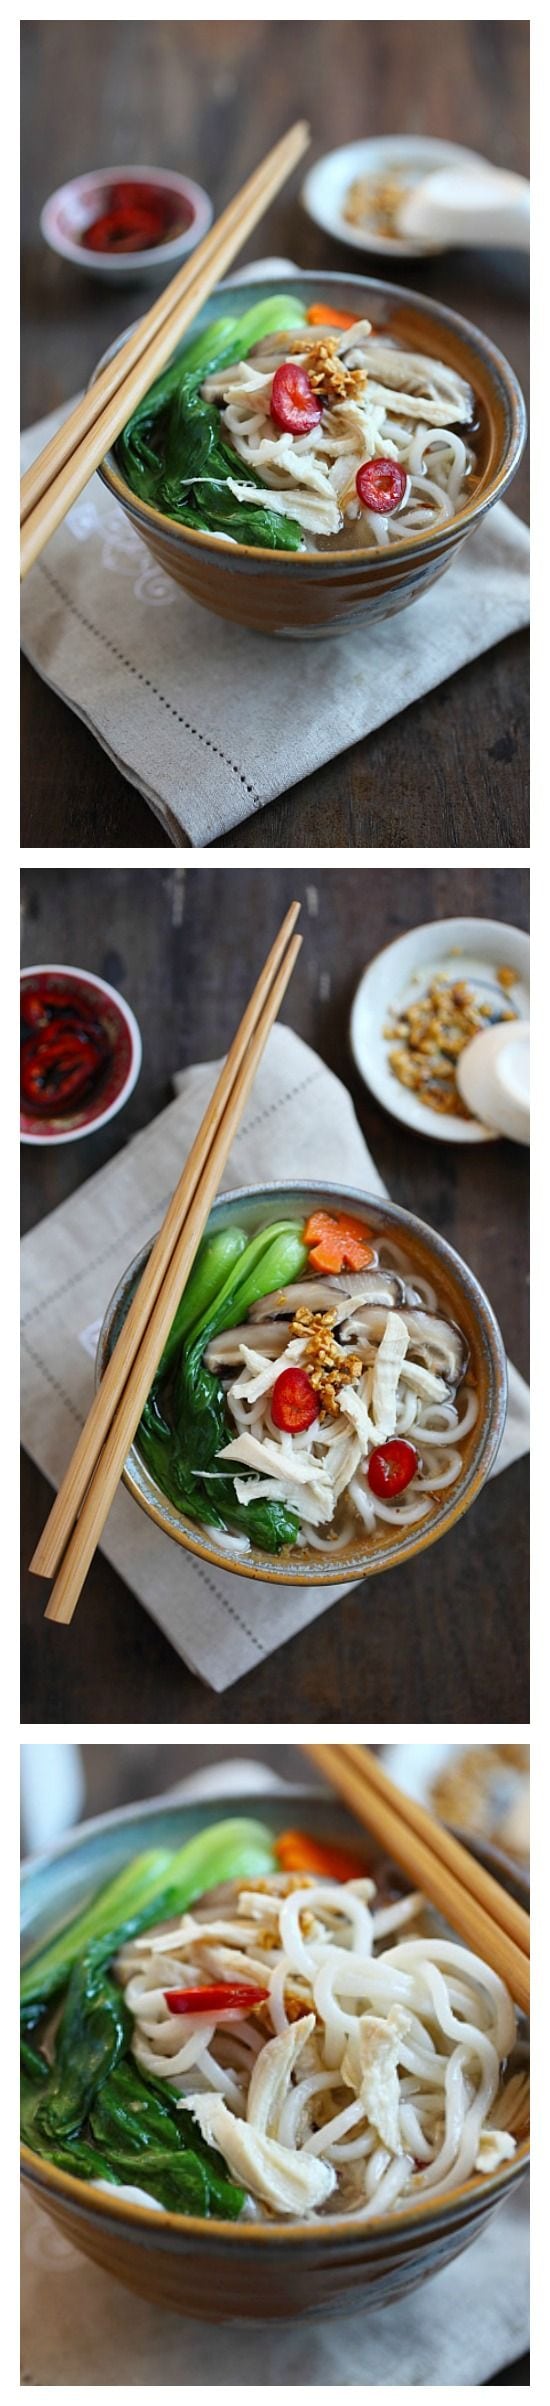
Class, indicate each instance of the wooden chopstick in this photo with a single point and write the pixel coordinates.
(68, 1502)
(42, 471)
(444, 1878)
(55, 480)
(504, 1908)
(110, 1464)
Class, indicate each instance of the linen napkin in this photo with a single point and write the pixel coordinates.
(208, 720)
(79, 2326)
(300, 1122)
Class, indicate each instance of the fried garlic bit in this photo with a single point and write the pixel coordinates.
(328, 1368)
(376, 200)
(432, 1033)
(328, 374)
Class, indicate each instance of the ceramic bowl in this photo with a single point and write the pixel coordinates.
(464, 1302)
(75, 206)
(473, 949)
(122, 1067)
(325, 593)
(411, 156)
(217, 2270)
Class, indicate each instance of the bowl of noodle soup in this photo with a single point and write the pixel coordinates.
(401, 383)
(343, 1419)
(276, 2263)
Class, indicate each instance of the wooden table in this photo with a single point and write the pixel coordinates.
(445, 1637)
(452, 769)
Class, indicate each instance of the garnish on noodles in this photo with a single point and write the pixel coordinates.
(312, 1390)
(296, 431)
(225, 2037)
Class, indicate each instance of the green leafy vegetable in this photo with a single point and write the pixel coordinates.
(138, 2137)
(185, 1422)
(94, 2031)
(149, 2143)
(150, 1888)
(89, 2110)
(172, 452)
(216, 1256)
(73, 2155)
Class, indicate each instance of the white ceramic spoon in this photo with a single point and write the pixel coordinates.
(468, 205)
(492, 1076)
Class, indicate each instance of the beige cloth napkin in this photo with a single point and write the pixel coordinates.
(79, 2327)
(208, 720)
(300, 1122)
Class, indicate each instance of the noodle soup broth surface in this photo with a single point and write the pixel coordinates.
(404, 1266)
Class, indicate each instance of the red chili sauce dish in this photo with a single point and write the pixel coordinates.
(76, 1053)
(135, 217)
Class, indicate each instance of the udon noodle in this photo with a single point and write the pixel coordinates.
(303, 430)
(369, 2073)
(379, 402)
(336, 1405)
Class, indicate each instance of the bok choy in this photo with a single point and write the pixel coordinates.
(84, 2104)
(185, 1421)
(151, 1888)
(172, 452)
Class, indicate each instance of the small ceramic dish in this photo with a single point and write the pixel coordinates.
(464, 1303)
(226, 2271)
(473, 949)
(183, 209)
(115, 1080)
(489, 1789)
(323, 593)
(408, 158)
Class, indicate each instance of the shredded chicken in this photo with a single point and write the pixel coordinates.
(379, 401)
(387, 1369)
(288, 2181)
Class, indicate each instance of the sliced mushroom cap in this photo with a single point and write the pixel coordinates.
(299, 339)
(436, 1342)
(225, 1349)
(341, 1295)
(439, 1344)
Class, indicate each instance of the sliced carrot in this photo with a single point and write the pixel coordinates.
(296, 1851)
(321, 314)
(327, 1255)
(340, 1253)
(342, 1220)
(337, 1243)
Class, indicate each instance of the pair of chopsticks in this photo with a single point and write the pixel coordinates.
(74, 1527)
(56, 478)
(482, 1913)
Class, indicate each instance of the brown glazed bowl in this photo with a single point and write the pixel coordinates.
(324, 593)
(464, 1302)
(259, 2271)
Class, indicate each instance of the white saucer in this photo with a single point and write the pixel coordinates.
(325, 187)
(465, 948)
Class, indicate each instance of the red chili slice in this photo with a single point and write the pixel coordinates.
(33, 1012)
(391, 1466)
(294, 405)
(381, 484)
(294, 1403)
(228, 1997)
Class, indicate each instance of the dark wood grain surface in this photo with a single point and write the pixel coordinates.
(445, 1637)
(452, 769)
